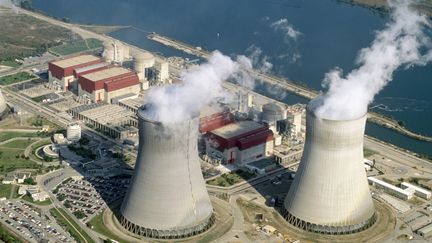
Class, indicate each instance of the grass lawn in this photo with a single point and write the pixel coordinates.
(67, 222)
(10, 63)
(231, 178)
(41, 121)
(43, 203)
(11, 159)
(8, 135)
(15, 78)
(18, 144)
(78, 46)
(98, 226)
(5, 190)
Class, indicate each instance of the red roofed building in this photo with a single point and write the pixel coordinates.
(108, 83)
(241, 142)
(63, 72)
(215, 121)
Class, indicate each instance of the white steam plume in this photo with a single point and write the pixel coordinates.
(201, 86)
(287, 29)
(402, 43)
(8, 4)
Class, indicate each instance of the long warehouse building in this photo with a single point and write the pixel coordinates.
(63, 72)
(103, 85)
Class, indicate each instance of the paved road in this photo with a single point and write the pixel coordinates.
(398, 156)
(236, 234)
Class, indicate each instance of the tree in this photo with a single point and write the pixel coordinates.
(67, 204)
(29, 181)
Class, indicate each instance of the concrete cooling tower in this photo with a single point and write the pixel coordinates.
(3, 105)
(167, 198)
(330, 192)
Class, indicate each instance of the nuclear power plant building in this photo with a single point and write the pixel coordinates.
(61, 72)
(111, 82)
(241, 142)
(167, 197)
(330, 192)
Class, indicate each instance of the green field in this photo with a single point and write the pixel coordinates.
(41, 121)
(63, 219)
(5, 190)
(231, 178)
(98, 226)
(18, 144)
(10, 63)
(78, 46)
(12, 157)
(15, 78)
(8, 135)
(22, 35)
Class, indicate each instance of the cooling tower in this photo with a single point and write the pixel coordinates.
(3, 105)
(167, 197)
(330, 192)
(108, 51)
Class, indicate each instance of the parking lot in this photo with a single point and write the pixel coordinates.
(87, 197)
(31, 223)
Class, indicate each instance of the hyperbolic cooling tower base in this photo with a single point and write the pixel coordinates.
(168, 234)
(324, 229)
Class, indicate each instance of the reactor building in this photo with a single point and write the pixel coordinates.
(330, 192)
(167, 198)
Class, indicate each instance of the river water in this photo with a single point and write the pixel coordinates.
(331, 35)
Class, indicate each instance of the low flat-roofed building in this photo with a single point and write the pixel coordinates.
(391, 189)
(22, 190)
(261, 166)
(286, 155)
(63, 73)
(110, 119)
(106, 84)
(241, 142)
(420, 192)
(21, 177)
(39, 196)
(426, 231)
(132, 104)
(10, 179)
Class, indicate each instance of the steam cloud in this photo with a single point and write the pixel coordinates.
(402, 43)
(201, 86)
(287, 29)
(290, 36)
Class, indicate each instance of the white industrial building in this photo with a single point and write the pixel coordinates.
(426, 231)
(418, 191)
(73, 132)
(404, 194)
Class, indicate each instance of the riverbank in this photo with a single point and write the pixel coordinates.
(423, 6)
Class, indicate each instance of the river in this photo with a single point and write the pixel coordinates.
(331, 35)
